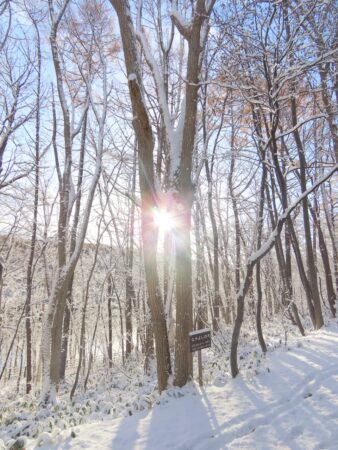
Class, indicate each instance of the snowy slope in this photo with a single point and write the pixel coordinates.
(292, 403)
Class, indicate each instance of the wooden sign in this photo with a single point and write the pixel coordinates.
(200, 339)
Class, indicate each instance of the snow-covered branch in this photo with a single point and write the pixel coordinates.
(159, 82)
(256, 257)
(268, 245)
(299, 125)
(180, 23)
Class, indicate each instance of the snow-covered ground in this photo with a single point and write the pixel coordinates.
(292, 403)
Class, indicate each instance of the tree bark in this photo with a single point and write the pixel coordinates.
(143, 131)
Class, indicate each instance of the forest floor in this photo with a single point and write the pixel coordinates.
(287, 401)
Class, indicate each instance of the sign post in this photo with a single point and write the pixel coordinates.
(200, 374)
(200, 339)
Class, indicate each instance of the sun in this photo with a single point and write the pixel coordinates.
(164, 220)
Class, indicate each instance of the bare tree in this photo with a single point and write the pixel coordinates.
(257, 256)
(52, 333)
(16, 105)
(180, 142)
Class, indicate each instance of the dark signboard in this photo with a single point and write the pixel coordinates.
(200, 339)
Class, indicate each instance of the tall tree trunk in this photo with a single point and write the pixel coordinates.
(240, 293)
(30, 267)
(217, 301)
(236, 214)
(130, 291)
(285, 261)
(110, 321)
(196, 38)
(331, 295)
(69, 300)
(226, 269)
(258, 265)
(143, 131)
(262, 155)
(312, 273)
(149, 342)
(184, 322)
(290, 235)
(84, 315)
(330, 107)
(330, 220)
(201, 310)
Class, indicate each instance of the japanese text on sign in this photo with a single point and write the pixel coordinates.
(200, 339)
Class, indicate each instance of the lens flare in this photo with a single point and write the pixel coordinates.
(164, 220)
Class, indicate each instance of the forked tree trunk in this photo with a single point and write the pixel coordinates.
(195, 35)
(145, 141)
